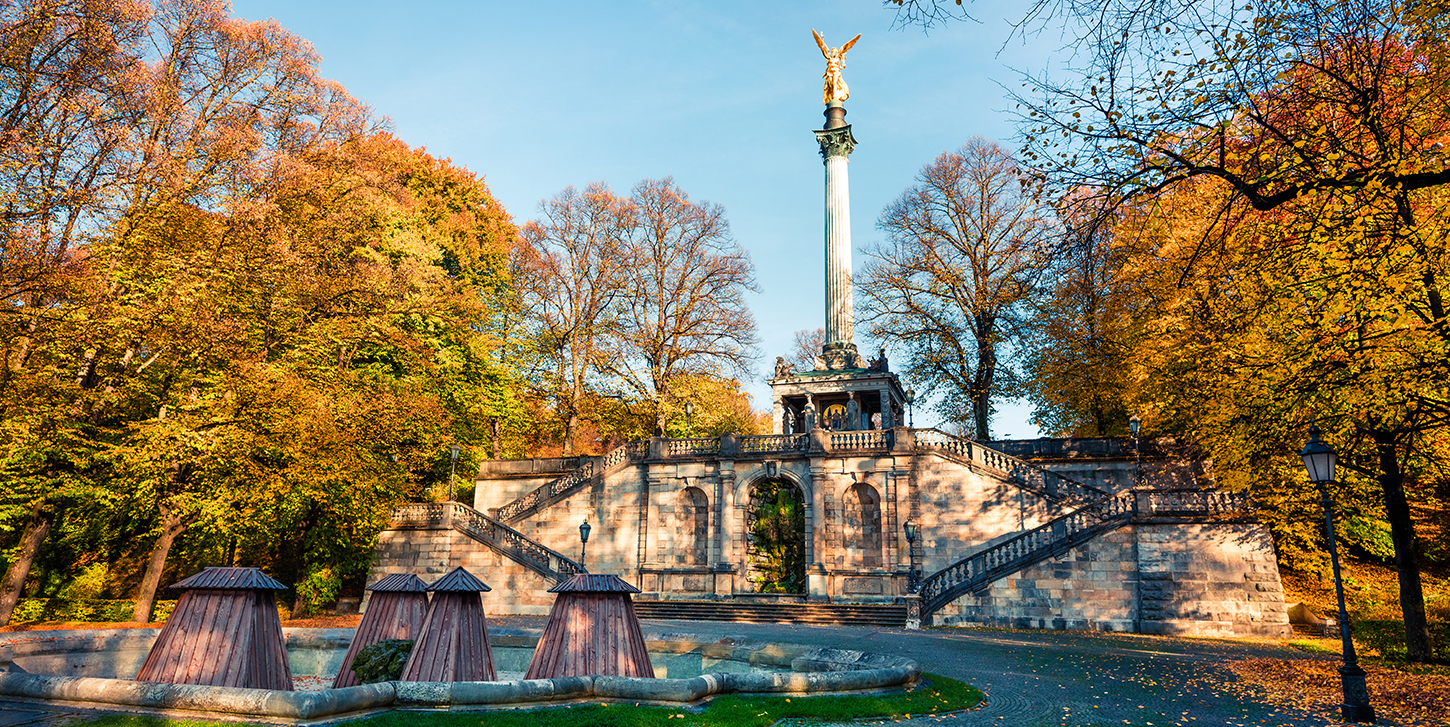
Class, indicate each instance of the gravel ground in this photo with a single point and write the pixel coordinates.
(1034, 678)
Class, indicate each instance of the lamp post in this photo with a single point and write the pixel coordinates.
(910, 528)
(910, 399)
(583, 540)
(689, 419)
(1134, 424)
(452, 471)
(1319, 460)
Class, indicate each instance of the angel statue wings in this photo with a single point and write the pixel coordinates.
(836, 89)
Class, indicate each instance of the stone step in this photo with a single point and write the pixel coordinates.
(804, 613)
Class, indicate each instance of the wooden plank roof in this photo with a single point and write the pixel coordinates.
(399, 583)
(221, 637)
(395, 614)
(594, 583)
(459, 580)
(453, 645)
(230, 579)
(591, 633)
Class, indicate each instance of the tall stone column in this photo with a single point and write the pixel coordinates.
(836, 145)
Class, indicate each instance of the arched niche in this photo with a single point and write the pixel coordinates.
(861, 516)
(775, 536)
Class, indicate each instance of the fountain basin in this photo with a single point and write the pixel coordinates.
(92, 668)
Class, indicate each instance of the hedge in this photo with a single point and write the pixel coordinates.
(83, 610)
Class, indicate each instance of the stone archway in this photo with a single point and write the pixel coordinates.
(775, 536)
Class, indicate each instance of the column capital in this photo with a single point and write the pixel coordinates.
(836, 142)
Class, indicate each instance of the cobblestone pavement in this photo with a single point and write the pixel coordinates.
(1031, 678)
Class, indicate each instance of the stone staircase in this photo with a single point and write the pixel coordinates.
(977, 572)
(503, 539)
(831, 614)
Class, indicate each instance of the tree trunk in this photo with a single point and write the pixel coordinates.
(35, 533)
(172, 526)
(497, 443)
(981, 392)
(1407, 549)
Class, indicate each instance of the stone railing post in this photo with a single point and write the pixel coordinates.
(657, 448)
(903, 439)
(913, 611)
(820, 441)
(729, 445)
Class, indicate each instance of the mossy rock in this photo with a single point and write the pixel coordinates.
(382, 661)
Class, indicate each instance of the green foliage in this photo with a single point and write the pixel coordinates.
(936, 695)
(1370, 535)
(84, 610)
(777, 538)
(1387, 639)
(319, 588)
(382, 661)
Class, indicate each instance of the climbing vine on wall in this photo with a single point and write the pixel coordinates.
(777, 538)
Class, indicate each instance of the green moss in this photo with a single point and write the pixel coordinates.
(941, 695)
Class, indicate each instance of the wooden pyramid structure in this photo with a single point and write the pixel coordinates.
(395, 611)
(592, 629)
(453, 646)
(224, 632)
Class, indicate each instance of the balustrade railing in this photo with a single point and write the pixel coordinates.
(693, 447)
(772, 443)
(1057, 536)
(1033, 546)
(1024, 473)
(866, 439)
(487, 530)
(570, 481)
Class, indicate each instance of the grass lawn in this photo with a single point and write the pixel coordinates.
(941, 695)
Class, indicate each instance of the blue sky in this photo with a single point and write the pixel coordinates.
(722, 96)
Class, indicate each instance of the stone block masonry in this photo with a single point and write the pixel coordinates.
(675, 522)
(1190, 579)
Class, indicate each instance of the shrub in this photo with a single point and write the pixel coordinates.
(83, 610)
(382, 661)
(1388, 639)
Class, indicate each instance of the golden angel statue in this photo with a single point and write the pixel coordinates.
(836, 89)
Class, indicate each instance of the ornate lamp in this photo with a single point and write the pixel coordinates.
(1319, 460)
(910, 528)
(689, 418)
(910, 400)
(583, 539)
(1135, 423)
(452, 470)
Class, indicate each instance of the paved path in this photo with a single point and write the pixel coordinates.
(1042, 678)
(1036, 678)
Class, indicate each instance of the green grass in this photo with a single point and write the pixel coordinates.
(1312, 647)
(942, 695)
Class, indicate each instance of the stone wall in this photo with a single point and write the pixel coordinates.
(429, 553)
(675, 525)
(1158, 578)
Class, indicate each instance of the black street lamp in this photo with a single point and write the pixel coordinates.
(1319, 460)
(583, 540)
(1134, 424)
(452, 471)
(910, 528)
(689, 419)
(910, 399)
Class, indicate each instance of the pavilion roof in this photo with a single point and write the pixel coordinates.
(399, 583)
(459, 580)
(594, 583)
(240, 579)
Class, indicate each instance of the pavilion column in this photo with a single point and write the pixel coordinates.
(836, 145)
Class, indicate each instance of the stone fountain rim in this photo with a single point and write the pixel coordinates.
(814, 670)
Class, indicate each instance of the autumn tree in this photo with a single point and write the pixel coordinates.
(682, 311)
(806, 348)
(273, 326)
(949, 282)
(576, 276)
